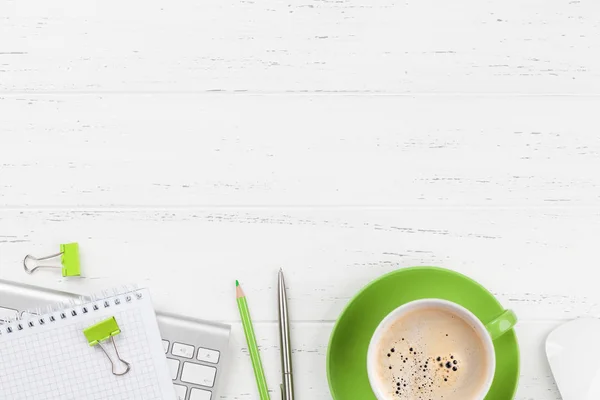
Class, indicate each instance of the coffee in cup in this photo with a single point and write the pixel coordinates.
(431, 350)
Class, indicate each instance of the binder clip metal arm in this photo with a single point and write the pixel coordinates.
(102, 331)
(69, 257)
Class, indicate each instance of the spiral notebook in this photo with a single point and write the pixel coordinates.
(45, 355)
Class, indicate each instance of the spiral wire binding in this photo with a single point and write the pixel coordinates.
(63, 310)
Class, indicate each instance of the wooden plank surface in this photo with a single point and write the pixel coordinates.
(471, 46)
(187, 144)
(301, 150)
(533, 260)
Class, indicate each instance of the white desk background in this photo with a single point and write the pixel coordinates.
(186, 144)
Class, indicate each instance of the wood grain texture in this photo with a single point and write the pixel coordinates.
(533, 260)
(301, 150)
(188, 144)
(470, 46)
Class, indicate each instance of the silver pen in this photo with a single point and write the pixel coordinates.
(287, 387)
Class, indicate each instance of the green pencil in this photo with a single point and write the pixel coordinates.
(261, 381)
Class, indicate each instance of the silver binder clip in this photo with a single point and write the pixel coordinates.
(103, 331)
(69, 258)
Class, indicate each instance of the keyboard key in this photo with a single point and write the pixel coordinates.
(174, 367)
(182, 350)
(198, 374)
(208, 355)
(166, 345)
(200, 394)
(7, 314)
(181, 391)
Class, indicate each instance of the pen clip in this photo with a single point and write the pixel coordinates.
(282, 392)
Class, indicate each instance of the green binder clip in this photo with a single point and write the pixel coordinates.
(69, 258)
(103, 331)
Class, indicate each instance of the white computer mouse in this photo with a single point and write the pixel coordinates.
(573, 351)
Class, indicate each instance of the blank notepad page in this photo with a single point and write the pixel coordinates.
(47, 357)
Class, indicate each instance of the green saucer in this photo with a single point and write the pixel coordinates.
(347, 351)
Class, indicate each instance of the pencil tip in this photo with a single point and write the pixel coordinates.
(237, 283)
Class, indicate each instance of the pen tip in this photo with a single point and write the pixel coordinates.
(237, 283)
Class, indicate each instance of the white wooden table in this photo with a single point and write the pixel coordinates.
(186, 144)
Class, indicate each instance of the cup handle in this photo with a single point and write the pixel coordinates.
(505, 322)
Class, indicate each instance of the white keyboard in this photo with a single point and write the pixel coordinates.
(195, 349)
